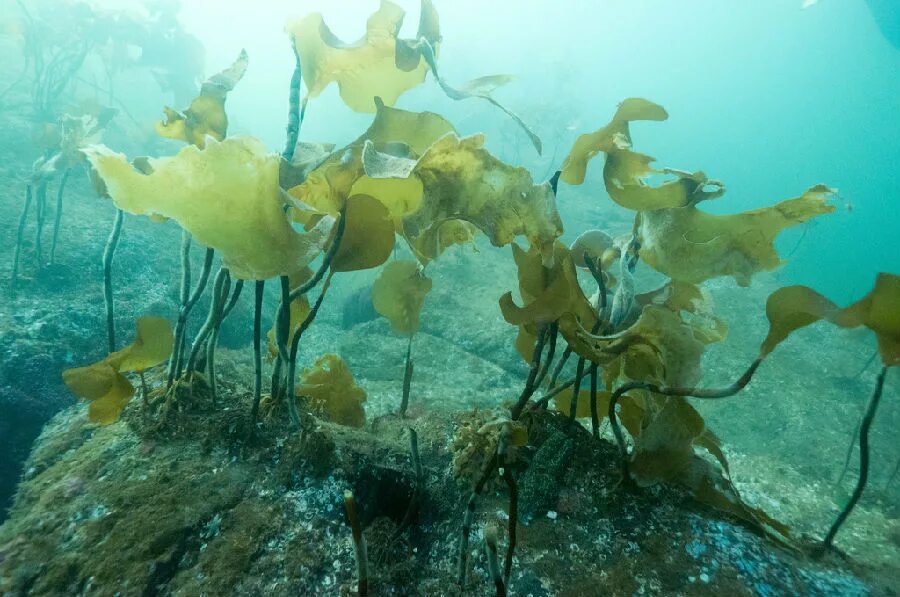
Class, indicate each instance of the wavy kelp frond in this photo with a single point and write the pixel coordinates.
(103, 385)
(690, 245)
(548, 292)
(438, 238)
(588, 145)
(463, 181)
(368, 237)
(227, 196)
(342, 174)
(331, 391)
(399, 293)
(299, 310)
(794, 307)
(376, 65)
(152, 346)
(206, 114)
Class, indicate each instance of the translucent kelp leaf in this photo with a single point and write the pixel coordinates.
(152, 346)
(689, 245)
(331, 391)
(794, 307)
(880, 312)
(463, 181)
(368, 238)
(664, 449)
(399, 293)
(104, 386)
(227, 196)
(589, 145)
(434, 241)
(206, 114)
(374, 65)
(791, 308)
(106, 409)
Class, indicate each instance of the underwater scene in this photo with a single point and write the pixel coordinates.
(449, 298)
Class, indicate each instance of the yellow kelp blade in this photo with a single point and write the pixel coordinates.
(399, 293)
(331, 391)
(368, 238)
(106, 409)
(373, 66)
(588, 145)
(152, 346)
(104, 386)
(462, 180)
(206, 114)
(690, 245)
(330, 184)
(794, 307)
(227, 196)
(548, 292)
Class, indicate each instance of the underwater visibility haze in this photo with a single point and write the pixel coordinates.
(457, 298)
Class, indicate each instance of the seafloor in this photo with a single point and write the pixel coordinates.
(185, 505)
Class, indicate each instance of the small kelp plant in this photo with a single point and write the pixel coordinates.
(67, 46)
(310, 213)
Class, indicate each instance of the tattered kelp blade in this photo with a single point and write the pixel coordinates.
(690, 245)
(227, 196)
(376, 65)
(206, 114)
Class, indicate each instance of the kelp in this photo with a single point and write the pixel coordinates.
(227, 195)
(548, 294)
(368, 238)
(793, 307)
(205, 117)
(625, 171)
(342, 174)
(589, 145)
(462, 181)
(330, 390)
(399, 293)
(376, 65)
(690, 245)
(104, 384)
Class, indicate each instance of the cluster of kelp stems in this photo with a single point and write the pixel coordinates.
(38, 196)
(548, 335)
(284, 375)
(188, 300)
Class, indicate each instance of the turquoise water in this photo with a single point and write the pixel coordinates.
(766, 96)
(770, 97)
